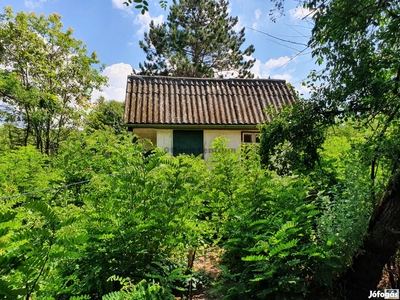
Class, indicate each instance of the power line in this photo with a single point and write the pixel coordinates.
(275, 37)
(44, 190)
(299, 52)
(292, 58)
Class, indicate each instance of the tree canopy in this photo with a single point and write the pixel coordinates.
(358, 43)
(46, 76)
(198, 40)
(107, 115)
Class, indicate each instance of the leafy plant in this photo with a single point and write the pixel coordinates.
(140, 291)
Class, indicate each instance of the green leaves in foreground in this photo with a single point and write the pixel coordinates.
(140, 291)
(125, 230)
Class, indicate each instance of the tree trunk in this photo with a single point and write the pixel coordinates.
(380, 244)
(28, 127)
(48, 129)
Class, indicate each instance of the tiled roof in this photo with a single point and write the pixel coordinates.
(200, 101)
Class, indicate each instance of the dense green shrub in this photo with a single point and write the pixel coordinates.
(124, 212)
(141, 214)
(286, 237)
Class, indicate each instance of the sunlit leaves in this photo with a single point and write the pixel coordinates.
(143, 5)
(46, 76)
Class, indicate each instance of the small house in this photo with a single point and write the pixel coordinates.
(184, 115)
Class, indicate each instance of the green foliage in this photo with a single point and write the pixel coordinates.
(346, 211)
(107, 115)
(141, 211)
(134, 215)
(33, 243)
(123, 222)
(11, 137)
(360, 56)
(143, 5)
(87, 154)
(25, 170)
(46, 77)
(292, 140)
(286, 236)
(357, 44)
(198, 40)
(141, 291)
(276, 243)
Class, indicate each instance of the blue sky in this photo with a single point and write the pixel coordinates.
(114, 30)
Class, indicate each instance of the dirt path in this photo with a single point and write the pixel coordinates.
(206, 262)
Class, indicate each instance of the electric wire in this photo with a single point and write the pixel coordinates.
(44, 190)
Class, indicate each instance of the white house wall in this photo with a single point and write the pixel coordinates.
(165, 140)
(234, 137)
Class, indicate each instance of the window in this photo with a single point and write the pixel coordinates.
(250, 137)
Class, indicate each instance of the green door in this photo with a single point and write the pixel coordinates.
(188, 142)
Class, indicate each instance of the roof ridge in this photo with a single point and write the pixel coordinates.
(204, 79)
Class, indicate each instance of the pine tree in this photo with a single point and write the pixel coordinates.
(198, 40)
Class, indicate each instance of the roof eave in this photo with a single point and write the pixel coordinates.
(192, 126)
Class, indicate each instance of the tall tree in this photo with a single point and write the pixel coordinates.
(107, 114)
(198, 40)
(47, 76)
(358, 42)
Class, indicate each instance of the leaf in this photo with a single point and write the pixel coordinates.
(82, 297)
(255, 258)
(7, 216)
(283, 246)
(44, 209)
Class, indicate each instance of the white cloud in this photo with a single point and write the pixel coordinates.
(256, 69)
(300, 13)
(116, 89)
(144, 22)
(120, 5)
(285, 76)
(304, 90)
(276, 63)
(267, 69)
(276, 68)
(34, 3)
(257, 14)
